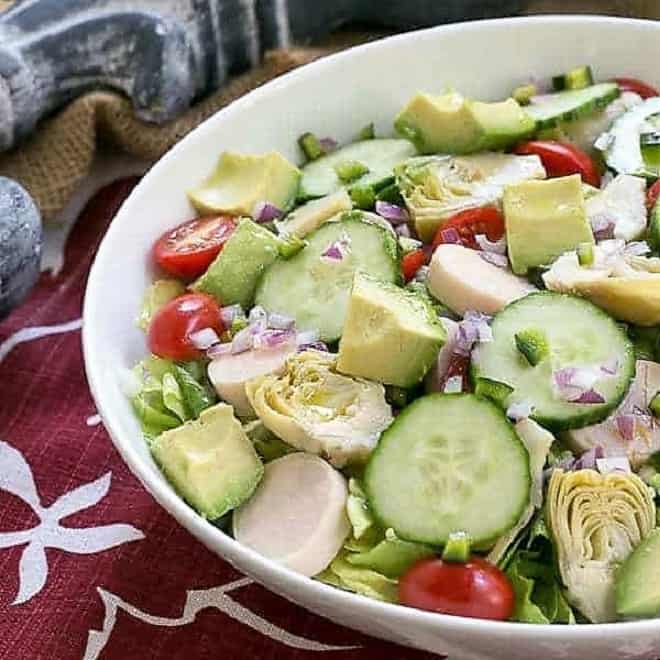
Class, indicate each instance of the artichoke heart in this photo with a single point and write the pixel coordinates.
(596, 521)
(436, 187)
(313, 408)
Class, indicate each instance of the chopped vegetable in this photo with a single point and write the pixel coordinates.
(457, 548)
(350, 170)
(585, 254)
(311, 146)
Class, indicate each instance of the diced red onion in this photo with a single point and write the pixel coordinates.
(519, 410)
(265, 212)
(587, 461)
(219, 350)
(453, 385)
(403, 230)
(603, 227)
(335, 251)
(278, 321)
(422, 274)
(625, 425)
(203, 339)
(637, 249)
(450, 235)
(614, 464)
(242, 341)
(611, 367)
(273, 339)
(498, 247)
(230, 313)
(495, 259)
(328, 144)
(589, 396)
(392, 212)
(257, 313)
(474, 327)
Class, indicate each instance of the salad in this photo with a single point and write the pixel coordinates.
(425, 368)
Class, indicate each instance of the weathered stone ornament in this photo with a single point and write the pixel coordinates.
(20, 244)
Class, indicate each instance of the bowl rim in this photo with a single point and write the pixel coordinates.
(214, 538)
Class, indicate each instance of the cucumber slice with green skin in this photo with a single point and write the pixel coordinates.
(314, 289)
(578, 78)
(578, 334)
(621, 145)
(380, 156)
(550, 109)
(449, 463)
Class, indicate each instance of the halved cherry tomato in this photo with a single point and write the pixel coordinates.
(469, 223)
(561, 159)
(411, 263)
(188, 250)
(171, 327)
(475, 589)
(652, 195)
(638, 86)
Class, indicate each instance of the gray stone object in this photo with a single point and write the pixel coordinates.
(20, 244)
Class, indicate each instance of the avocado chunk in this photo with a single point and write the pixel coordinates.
(638, 580)
(455, 125)
(310, 216)
(210, 461)
(239, 181)
(232, 277)
(543, 220)
(391, 335)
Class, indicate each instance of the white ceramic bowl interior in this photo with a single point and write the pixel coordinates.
(335, 97)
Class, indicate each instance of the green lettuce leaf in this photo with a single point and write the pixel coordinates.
(531, 569)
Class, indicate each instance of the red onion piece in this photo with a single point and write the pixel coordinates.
(589, 396)
(450, 235)
(625, 425)
(203, 339)
(265, 212)
(637, 249)
(613, 464)
(313, 346)
(273, 339)
(453, 385)
(230, 313)
(219, 350)
(588, 460)
(335, 251)
(473, 328)
(403, 230)
(242, 341)
(495, 259)
(278, 321)
(307, 337)
(498, 247)
(392, 212)
(328, 144)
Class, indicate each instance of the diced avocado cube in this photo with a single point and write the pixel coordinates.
(543, 220)
(232, 277)
(210, 461)
(391, 335)
(455, 125)
(239, 181)
(638, 580)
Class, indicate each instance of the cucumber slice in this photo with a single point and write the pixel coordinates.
(578, 334)
(380, 156)
(449, 463)
(578, 78)
(550, 109)
(313, 289)
(621, 145)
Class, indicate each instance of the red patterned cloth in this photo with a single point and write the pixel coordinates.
(91, 566)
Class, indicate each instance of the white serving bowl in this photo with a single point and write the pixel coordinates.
(335, 97)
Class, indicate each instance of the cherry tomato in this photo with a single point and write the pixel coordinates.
(411, 263)
(188, 250)
(639, 87)
(469, 223)
(171, 327)
(652, 195)
(561, 159)
(475, 589)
